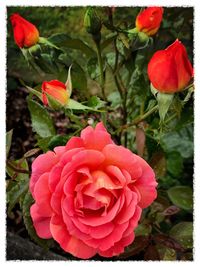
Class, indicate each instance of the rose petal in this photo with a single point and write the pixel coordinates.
(100, 127)
(40, 165)
(54, 177)
(96, 138)
(71, 227)
(133, 222)
(122, 158)
(42, 195)
(146, 184)
(108, 241)
(102, 180)
(70, 243)
(40, 223)
(118, 247)
(99, 232)
(115, 172)
(165, 81)
(128, 210)
(58, 194)
(89, 158)
(95, 221)
(74, 142)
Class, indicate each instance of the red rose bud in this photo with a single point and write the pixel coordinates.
(170, 70)
(56, 90)
(25, 33)
(149, 20)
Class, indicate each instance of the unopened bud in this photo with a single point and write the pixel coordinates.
(92, 22)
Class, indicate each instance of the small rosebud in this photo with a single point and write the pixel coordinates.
(149, 20)
(92, 22)
(25, 33)
(56, 90)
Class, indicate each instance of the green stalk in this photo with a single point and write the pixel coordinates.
(140, 118)
(100, 62)
(145, 115)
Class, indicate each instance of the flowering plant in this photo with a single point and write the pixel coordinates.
(104, 169)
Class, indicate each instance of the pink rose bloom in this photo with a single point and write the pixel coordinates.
(89, 194)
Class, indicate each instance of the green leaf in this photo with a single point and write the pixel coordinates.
(46, 63)
(169, 254)
(122, 44)
(174, 163)
(164, 102)
(110, 58)
(35, 92)
(143, 230)
(183, 233)
(42, 123)
(8, 141)
(166, 254)
(93, 68)
(43, 143)
(108, 40)
(19, 190)
(19, 164)
(78, 76)
(181, 196)
(158, 163)
(57, 140)
(95, 102)
(180, 141)
(72, 104)
(115, 99)
(27, 203)
(65, 41)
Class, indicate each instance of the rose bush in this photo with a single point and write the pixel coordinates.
(89, 194)
(25, 33)
(170, 70)
(149, 20)
(55, 89)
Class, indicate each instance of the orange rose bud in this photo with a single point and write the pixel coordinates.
(25, 33)
(149, 20)
(55, 89)
(170, 70)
